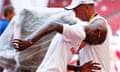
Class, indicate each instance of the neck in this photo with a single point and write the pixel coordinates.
(8, 18)
(92, 16)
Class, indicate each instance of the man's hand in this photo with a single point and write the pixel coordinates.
(20, 45)
(90, 67)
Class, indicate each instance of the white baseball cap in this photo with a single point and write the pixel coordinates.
(76, 3)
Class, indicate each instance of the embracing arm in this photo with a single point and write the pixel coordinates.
(87, 67)
(20, 45)
(48, 29)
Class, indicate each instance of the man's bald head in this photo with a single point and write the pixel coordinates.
(96, 32)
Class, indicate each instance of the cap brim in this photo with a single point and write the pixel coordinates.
(70, 7)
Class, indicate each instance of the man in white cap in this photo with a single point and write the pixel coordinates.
(67, 41)
(85, 11)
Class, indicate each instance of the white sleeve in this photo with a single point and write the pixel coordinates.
(73, 32)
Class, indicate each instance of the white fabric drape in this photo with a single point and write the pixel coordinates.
(30, 22)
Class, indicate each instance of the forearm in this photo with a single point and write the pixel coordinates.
(73, 67)
(46, 30)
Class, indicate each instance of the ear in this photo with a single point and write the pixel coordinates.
(87, 6)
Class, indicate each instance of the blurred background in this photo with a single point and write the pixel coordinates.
(110, 9)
